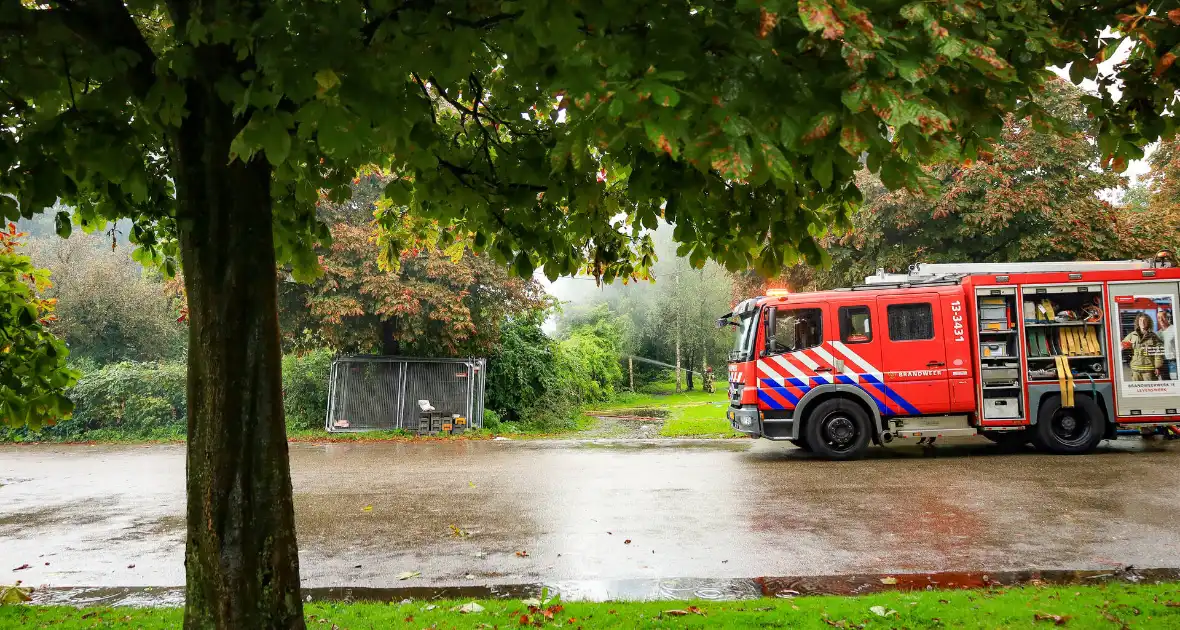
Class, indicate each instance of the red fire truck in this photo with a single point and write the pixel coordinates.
(1062, 355)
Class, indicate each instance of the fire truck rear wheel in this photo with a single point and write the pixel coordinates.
(837, 428)
(1069, 431)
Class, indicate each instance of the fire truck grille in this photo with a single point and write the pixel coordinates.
(735, 393)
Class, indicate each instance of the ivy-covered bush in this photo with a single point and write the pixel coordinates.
(305, 389)
(146, 401)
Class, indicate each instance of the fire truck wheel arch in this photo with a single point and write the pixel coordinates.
(824, 392)
(1102, 393)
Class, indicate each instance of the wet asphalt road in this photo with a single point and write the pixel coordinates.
(113, 515)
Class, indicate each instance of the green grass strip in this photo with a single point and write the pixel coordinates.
(1114, 605)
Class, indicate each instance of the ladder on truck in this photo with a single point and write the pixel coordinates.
(922, 273)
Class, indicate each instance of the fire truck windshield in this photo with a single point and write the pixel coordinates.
(743, 337)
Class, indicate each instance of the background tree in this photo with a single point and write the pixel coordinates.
(108, 308)
(433, 302)
(1036, 197)
(213, 124)
(1158, 222)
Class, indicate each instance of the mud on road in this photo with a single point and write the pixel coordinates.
(546, 511)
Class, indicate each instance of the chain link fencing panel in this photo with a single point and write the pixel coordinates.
(368, 393)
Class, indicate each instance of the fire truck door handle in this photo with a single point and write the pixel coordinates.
(935, 364)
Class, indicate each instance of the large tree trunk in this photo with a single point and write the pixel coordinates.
(241, 558)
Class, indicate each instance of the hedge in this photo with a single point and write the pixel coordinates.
(147, 401)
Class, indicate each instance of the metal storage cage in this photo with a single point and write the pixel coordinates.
(368, 393)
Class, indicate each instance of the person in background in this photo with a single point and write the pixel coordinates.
(1147, 356)
(1167, 335)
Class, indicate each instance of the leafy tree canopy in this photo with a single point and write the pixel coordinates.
(739, 121)
(429, 302)
(1036, 196)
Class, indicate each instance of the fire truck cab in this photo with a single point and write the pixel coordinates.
(1062, 355)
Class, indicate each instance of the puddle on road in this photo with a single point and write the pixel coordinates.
(644, 589)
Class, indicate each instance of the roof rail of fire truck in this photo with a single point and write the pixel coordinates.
(923, 273)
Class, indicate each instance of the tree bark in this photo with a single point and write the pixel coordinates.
(241, 557)
(631, 371)
(390, 346)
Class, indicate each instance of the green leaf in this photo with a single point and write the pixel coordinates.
(952, 47)
(326, 79)
(8, 208)
(821, 170)
(915, 12)
(400, 192)
(274, 138)
(523, 265)
(62, 224)
(664, 95)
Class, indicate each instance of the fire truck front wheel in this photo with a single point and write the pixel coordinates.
(1069, 430)
(837, 429)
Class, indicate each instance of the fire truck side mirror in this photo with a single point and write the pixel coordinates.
(771, 345)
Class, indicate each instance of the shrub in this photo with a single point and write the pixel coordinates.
(491, 421)
(122, 400)
(523, 372)
(305, 389)
(147, 401)
(588, 360)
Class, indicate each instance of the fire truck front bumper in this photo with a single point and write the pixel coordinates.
(745, 419)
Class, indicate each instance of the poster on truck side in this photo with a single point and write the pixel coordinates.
(1146, 345)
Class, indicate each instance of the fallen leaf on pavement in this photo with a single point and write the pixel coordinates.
(627, 542)
(1056, 619)
(522, 554)
(367, 508)
(22, 567)
(881, 611)
(459, 533)
(889, 580)
(405, 575)
(470, 607)
(131, 566)
(15, 594)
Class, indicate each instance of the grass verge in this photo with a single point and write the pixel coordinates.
(1114, 605)
(628, 400)
(707, 420)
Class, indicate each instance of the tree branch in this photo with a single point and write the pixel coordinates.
(108, 26)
